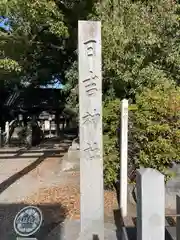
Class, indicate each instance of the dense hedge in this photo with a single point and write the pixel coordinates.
(154, 131)
(157, 127)
(111, 149)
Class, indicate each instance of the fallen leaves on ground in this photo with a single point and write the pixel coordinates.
(68, 198)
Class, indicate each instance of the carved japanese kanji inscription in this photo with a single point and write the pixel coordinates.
(90, 119)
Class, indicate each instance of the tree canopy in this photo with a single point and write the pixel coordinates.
(41, 41)
(140, 41)
(141, 56)
(140, 44)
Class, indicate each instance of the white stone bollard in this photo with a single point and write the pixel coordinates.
(90, 125)
(150, 204)
(124, 157)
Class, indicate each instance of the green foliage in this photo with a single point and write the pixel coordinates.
(111, 117)
(140, 44)
(42, 38)
(157, 127)
(141, 48)
(111, 110)
(32, 25)
(72, 87)
(154, 131)
(9, 65)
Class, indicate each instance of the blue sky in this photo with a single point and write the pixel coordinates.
(3, 25)
(56, 85)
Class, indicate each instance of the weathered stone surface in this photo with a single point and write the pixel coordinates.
(75, 145)
(90, 106)
(150, 205)
(172, 188)
(71, 159)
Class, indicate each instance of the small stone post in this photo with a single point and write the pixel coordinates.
(90, 125)
(124, 157)
(178, 218)
(150, 204)
(7, 131)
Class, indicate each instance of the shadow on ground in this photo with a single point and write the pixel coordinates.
(53, 214)
(46, 154)
(51, 229)
(8, 182)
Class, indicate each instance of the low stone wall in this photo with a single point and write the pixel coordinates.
(172, 188)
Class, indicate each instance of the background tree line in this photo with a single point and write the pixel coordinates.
(141, 46)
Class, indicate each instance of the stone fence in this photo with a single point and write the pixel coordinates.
(150, 187)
